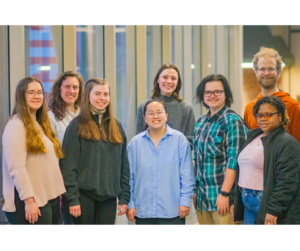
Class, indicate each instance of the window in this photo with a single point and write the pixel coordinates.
(43, 54)
(89, 51)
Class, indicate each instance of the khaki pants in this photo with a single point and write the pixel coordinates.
(212, 217)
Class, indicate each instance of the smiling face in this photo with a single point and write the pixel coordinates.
(69, 90)
(215, 103)
(100, 97)
(266, 79)
(34, 100)
(156, 116)
(268, 125)
(167, 81)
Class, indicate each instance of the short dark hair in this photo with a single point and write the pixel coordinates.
(214, 77)
(278, 104)
(156, 90)
(149, 102)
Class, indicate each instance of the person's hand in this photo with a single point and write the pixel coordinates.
(222, 204)
(131, 214)
(270, 219)
(123, 210)
(32, 211)
(195, 200)
(75, 211)
(183, 211)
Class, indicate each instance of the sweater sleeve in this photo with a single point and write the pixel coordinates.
(124, 196)
(189, 130)
(70, 164)
(139, 122)
(287, 177)
(295, 121)
(15, 154)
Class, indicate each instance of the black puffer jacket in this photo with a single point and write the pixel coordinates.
(281, 196)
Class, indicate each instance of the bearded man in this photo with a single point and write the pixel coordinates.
(267, 64)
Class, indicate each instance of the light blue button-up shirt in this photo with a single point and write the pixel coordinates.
(161, 179)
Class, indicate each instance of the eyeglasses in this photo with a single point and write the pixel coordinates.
(32, 93)
(270, 70)
(217, 93)
(267, 115)
(152, 114)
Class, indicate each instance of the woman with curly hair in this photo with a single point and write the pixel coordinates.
(32, 181)
(268, 169)
(64, 105)
(65, 101)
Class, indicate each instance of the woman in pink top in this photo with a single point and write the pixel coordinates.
(32, 181)
(267, 189)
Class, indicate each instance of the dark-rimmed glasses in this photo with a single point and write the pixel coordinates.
(267, 115)
(216, 93)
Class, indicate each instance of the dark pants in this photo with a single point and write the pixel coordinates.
(67, 218)
(96, 212)
(160, 221)
(49, 212)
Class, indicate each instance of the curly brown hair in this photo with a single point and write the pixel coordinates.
(56, 104)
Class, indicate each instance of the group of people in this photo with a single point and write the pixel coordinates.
(70, 162)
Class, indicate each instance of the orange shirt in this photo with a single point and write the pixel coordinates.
(293, 110)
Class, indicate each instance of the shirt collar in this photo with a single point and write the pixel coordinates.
(72, 114)
(169, 132)
(218, 115)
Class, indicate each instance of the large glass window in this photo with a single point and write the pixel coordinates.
(193, 68)
(89, 51)
(154, 54)
(121, 74)
(43, 53)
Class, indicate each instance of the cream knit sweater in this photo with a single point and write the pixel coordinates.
(33, 175)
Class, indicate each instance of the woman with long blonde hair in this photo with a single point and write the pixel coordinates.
(32, 181)
(95, 167)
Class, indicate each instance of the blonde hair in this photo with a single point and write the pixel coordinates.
(34, 141)
(265, 51)
(87, 127)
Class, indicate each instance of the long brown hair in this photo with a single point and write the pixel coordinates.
(56, 103)
(156, 90)
(87, 127)
(34, 142)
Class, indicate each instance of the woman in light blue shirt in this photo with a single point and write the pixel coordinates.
(161, 171)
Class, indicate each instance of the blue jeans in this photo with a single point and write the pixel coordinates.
(251, 200)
